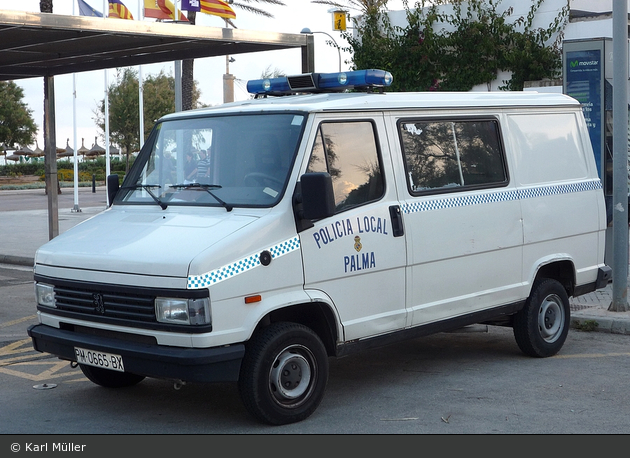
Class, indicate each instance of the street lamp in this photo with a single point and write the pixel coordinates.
(308, 31)
(228, 81)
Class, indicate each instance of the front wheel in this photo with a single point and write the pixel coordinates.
(541, 327)
(110, 379)
(283, 374)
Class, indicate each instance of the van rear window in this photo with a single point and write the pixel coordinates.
(550, 147)
(445, 155)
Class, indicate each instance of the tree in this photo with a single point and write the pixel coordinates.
(124, 103)
(159, 98)
(455, 51)
(124, 123)
(188, 64)
(17, 126)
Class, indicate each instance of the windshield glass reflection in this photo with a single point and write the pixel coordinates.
(225, 161)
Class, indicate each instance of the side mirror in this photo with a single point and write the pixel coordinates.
(112, 188)
(318, 200)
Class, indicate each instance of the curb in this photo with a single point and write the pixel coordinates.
(17, 260)
(595, 323)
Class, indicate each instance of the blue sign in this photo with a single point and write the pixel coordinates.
(584, 70)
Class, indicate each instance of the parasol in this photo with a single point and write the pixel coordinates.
(96, 150)
(67, 152)
(83, 150)
(24, 151)
(38, 152)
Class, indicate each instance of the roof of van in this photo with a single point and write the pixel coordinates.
(361, 101)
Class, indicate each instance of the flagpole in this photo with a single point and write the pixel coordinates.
(107, 167)
(74, 128)
(178, 70)
(140, 89)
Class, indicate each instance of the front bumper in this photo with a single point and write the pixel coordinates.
(220, 364)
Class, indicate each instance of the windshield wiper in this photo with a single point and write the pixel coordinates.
(205, 187)
(147, 188)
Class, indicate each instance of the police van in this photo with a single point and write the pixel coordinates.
(330, 217)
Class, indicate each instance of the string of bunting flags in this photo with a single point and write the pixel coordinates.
(162, 9)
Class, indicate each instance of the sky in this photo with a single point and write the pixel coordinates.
(90, 86)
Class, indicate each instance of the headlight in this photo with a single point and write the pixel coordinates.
(45, 294)
(183, 311)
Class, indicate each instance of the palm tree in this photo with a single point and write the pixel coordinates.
(365, 6)
(45, 6)
(188, 64)
(247, 7)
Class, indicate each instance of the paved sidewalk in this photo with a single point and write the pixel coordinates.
(590, 312)
(23, 231)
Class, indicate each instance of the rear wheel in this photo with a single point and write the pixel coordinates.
(284, 373)
(541, 327)
(110, 379)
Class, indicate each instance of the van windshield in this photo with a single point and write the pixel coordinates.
(228, 161)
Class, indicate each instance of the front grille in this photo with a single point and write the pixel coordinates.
(126, 306)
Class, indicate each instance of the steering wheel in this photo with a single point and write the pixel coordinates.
(259, 178)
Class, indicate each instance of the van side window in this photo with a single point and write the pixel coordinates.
(445, 155)
(348, 152)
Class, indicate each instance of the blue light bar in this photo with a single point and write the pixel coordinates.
(358, 78)
(269, 86)
(320, 82)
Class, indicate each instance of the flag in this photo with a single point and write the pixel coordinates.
(87, 10)
(217, 8)
(161, 9)
(214, 7)
(117, 9)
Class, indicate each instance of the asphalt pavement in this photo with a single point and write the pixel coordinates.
(24, 228)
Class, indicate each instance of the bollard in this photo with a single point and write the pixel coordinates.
(93, 183)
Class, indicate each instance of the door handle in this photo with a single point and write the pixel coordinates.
(395, 214)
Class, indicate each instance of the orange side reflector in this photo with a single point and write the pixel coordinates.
(252, 299)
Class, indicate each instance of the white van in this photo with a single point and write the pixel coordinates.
(325, 223)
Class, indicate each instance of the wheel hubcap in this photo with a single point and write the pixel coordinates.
(551, 318)
(290, 377)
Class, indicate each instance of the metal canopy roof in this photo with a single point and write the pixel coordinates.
(45, 44)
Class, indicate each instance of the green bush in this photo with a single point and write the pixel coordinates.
(88, 167)
(24, 168)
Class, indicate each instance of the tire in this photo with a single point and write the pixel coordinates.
(541, 327)
(283, 374)
(110, 379)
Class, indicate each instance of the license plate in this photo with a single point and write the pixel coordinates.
(99, 359)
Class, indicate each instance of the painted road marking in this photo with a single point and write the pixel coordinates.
(20, 359)
(593, 355)
(15, 348)
(18, 321)
(52, 370)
